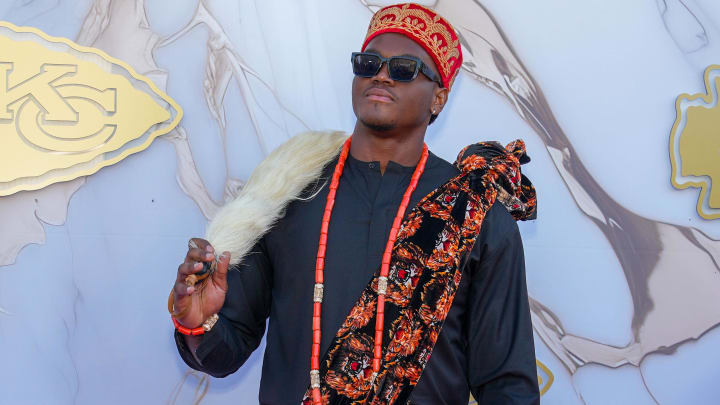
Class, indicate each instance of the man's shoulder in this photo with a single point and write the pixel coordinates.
(499, 230)
(435, 162)
(498, 220)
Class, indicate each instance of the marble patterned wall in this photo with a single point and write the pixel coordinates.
(624, 275)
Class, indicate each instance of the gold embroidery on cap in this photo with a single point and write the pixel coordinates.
(429, 30)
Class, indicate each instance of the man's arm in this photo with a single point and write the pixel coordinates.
(241, 323)
(501, 354)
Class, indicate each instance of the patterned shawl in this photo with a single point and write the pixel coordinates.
(433, 243)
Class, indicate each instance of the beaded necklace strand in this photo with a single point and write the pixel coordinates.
(382, 280)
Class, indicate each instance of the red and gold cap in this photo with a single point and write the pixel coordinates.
(427, 28)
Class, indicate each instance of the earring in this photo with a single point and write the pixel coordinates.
(433, 111)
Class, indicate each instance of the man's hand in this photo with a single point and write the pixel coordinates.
(195, 304)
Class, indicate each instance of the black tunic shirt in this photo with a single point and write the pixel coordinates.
(485, 346)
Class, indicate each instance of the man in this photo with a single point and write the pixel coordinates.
(358, 290)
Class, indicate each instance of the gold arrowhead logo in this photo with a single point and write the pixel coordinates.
(67, 110)
(695, 144)
(545, 377)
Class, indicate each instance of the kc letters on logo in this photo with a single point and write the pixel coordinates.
(67, 110)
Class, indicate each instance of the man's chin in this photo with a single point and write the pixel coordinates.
(378, 125)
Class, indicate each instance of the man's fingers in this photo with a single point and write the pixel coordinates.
(186, 269)
(220, 275)
(201, 244)
(199, 255)
(199, 249)
(180, 302)
(182, 290)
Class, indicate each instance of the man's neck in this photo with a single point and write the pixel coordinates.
(402, 148)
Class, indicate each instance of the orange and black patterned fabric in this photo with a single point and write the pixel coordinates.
(433, 243)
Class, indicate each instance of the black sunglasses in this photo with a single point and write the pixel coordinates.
(400, 68)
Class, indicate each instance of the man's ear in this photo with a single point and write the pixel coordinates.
(440, 97)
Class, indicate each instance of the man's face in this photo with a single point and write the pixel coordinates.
(383, 104)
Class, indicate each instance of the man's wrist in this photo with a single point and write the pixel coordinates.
(199, 330)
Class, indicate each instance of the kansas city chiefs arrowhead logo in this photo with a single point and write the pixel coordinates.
(67, 110)
(695, 144)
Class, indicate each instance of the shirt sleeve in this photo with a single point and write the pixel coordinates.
(241, 323)
(501, 353)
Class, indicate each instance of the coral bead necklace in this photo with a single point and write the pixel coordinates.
(382, 279)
